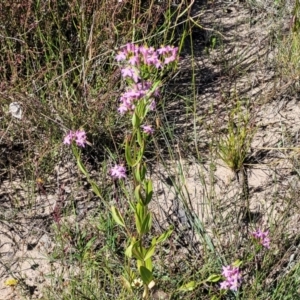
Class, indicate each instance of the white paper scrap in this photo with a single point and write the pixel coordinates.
(16, 110)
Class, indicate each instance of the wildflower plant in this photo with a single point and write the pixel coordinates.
(142, 67)
(233, 278)
(77, 139)
(262, 237)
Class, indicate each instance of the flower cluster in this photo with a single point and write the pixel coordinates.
(147, 129)
(136, 59)
(118, 172)
(142, 55)
(262, 237)
(137, 92)
(233, 278)
(79, 136)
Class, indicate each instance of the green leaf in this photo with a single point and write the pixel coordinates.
(146, 223)
(188, 286)
(90, 243)
(150, 252)
(146, 275)
(149, 191)
(128, 251)
(139, 217)
(148, 264)
(135, 121)
(237, 263)
(140, 263)
(140, 172)
(138, 224)
(137, 252)
(137, 193)
(145, 263)
(154, 241)
(117, 216)
(139, 138)
(95, 188)
(165, 235)
(213, 278)
(143, 171)
(128, 155)
(137, 175)
(81, 167)
(139, 157)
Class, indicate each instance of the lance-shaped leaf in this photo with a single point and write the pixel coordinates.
(237, 263)
(213, 278)
(137, 193)
(140, 172)
(128, 251)
(136, 122)
(81, 167)
(117, 216)
(128, 154)
(146, 223)
(165, 235)
(139, 216)
(149, 191)
(95, 188)
(138, 196)
(150, 252)
(146, 274)
(188, 286)
(139, 139)
(143, 171)
(148, 264)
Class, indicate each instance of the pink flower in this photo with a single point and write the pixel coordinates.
(68, 138)
(149, 56)
(169, 53)
(134, 60)
(169, 59)
(233, 278)
(135, 93)
(147, 129)
(118, 171)
(262, 237)
(131, 48)
(224, 285)
(162, 50)
(132, 94)
(127, 100)
(130, 72)
(122, 109)
(121, 56)
(78, 136)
